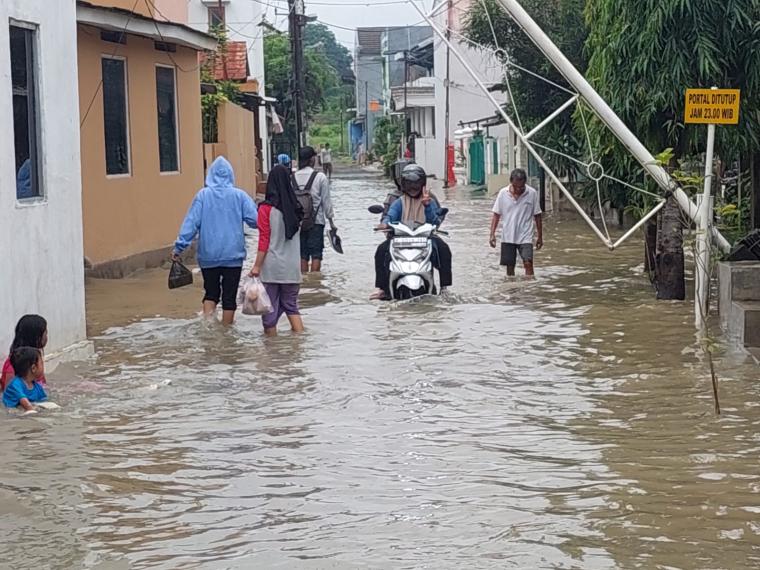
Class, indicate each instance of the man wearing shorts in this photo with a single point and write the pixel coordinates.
(313, 240)
(325, 157)
(519, 208)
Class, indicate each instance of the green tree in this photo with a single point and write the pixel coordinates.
(534, 99)
(320, 80)
(319, 37)
(320, 77)
(643, 55)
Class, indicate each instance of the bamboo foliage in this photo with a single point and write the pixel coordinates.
(644, 54)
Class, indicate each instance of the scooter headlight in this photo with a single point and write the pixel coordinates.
(415, 255)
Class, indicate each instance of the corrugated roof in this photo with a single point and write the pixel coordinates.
(369, 40)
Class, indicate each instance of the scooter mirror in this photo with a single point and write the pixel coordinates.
(376, 209)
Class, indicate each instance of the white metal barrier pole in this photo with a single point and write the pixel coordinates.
(702, 261)
(605, 113)
(512, 125)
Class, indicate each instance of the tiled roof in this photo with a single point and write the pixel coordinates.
(236, 60)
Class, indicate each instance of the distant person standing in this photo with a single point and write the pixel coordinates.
(326, 159)
(284, 160)
(216, 216)
(518, 207)
(315, 184)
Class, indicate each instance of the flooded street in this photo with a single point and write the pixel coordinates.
(561, 423)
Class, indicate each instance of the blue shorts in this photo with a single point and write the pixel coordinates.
(313, 242)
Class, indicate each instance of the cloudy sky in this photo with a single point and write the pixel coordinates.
(339, 14)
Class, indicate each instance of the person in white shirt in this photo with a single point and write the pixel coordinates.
(325, 156)
(312, 240)
(518, 207)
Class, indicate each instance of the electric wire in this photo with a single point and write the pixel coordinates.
(100, 83)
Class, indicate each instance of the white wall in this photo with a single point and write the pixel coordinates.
(41, 255)
(243, 19)
(466, 100)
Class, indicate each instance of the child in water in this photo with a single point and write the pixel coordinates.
(24, 390)
(31, 330)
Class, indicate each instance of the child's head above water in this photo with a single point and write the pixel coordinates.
(31, 330)
(27, 362)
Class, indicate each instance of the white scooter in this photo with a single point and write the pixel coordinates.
(411, 259)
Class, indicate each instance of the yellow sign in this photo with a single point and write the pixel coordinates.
(713, 106)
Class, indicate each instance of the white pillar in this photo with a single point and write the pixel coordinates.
(704, 226)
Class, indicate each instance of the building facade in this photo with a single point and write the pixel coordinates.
(467, 103)
(370, 103)
(141, 135)
(40, 188)
(242, 19)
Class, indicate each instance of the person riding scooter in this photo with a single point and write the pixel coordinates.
(414, 208)
(394, 195)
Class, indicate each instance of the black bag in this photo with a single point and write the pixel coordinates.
(306, 201)
(179, 275)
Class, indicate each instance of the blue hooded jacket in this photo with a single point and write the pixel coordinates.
(216, 216)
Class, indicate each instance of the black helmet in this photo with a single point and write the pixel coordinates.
(413, 179)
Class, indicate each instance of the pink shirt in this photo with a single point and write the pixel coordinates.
(9, 373)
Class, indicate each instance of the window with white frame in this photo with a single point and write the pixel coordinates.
(166, 98)
(115, 115)
(26, 138)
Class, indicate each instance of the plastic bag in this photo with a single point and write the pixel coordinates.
(255, 300)
(179, 276)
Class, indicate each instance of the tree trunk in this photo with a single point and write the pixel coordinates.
(650, 251)
(754, 166)
(671, 283)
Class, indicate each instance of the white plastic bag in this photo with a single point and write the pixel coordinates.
(256, 301)
(241, 290)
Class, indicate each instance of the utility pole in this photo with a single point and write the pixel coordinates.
(342, 126)
(406, 107)
(447, 139)
(295, 26)
(223, 19)
(366, 117)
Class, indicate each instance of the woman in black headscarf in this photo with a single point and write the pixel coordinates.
(278, 262)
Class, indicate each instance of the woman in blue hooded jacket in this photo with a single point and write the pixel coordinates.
(216, 216)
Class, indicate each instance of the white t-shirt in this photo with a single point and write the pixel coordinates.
(326, 156)
(517, 214)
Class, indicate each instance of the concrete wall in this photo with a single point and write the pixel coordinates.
(41, 253)
(243, 17)
(466, 101)
(236, 145)
(141, 7)
(139, 212)
(171, 10)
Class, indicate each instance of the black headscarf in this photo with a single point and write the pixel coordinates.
(282, 195)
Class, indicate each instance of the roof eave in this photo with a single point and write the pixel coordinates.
(123, 21)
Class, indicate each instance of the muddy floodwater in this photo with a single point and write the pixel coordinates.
(561, 423)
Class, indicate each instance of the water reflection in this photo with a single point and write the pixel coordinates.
(559, 423)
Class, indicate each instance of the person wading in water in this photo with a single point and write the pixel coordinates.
(519, 207)
(278, 261)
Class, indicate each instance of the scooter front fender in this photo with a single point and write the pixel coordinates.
(411, 282)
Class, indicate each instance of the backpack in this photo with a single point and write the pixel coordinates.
(306, 202)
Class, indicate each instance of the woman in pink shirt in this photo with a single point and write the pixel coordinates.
(31, 331)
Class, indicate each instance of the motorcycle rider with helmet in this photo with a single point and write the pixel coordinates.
(414, 207)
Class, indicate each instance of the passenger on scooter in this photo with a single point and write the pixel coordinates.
(414, 208)
(394, 195)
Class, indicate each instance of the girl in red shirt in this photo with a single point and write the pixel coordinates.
(31, 330)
